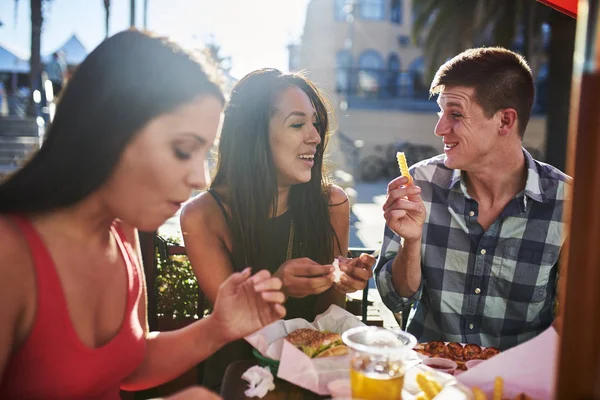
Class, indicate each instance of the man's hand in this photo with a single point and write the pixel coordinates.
(404, 210)
(246, 304)
(356, 273)
(302, 277)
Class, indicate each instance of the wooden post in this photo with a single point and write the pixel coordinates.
(578, 370)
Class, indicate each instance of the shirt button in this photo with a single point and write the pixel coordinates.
(470, 326)
(483, 251)
(477, 291)
(471, 213)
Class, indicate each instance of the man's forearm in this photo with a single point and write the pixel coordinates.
(170, 354)
(406, 269)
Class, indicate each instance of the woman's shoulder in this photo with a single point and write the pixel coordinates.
(13, 247)
(337, 196)
(16, 267)
(202, 210)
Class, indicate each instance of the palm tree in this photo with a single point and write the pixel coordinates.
(444, 28)
(132, 13)
(213, 51)
(145, 14)
(35, 61)
(106, 16)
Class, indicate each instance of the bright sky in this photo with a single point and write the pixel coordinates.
(254, 33)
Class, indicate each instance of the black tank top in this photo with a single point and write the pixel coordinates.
(278, 233)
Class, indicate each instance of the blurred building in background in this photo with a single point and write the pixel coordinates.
(360, 53)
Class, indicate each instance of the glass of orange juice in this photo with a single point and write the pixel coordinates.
(378, 359)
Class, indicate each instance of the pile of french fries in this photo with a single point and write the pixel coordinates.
(431, 388)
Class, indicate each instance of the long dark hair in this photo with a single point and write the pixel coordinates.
(128, 80)
(246, 171)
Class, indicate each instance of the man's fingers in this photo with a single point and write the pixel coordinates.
(411, 192)
(415, 196)
(396, 183)
(394, 215)
(405, 204)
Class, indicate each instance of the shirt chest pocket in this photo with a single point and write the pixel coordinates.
(523, 273)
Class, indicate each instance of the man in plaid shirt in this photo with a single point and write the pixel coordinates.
(474, 243)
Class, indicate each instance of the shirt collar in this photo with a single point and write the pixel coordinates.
(533, 186)
(532, 190)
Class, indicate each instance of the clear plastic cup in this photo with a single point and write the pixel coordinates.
(378, 360)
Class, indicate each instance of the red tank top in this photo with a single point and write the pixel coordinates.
(53, 363)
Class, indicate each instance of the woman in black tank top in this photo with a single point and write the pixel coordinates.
(270, 205)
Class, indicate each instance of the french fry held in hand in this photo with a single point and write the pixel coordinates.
(403, 166)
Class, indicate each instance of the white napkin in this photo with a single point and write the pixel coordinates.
(526, 368)
(337, 272)
(260, 381)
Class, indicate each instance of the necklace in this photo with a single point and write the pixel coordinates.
(290, 242)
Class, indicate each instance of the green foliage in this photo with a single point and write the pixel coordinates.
(213, 51)
(444, 28)
(176, 287)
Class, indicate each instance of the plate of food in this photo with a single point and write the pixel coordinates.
(460, 353)
(312, 342)
(314, 359)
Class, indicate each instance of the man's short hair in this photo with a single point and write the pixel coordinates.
(501, 79)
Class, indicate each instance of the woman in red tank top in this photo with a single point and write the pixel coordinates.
(125, 149)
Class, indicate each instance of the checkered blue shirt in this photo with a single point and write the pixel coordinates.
(492, 288)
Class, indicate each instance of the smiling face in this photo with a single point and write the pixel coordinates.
(470, 137)
(293, 137)
(162, 165)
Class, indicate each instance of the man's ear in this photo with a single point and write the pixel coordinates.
(508, 121)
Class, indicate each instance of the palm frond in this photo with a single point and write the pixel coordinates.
(447, 27)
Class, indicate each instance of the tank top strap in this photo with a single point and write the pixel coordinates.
(50, 296)
(219, 201)
(132, 262)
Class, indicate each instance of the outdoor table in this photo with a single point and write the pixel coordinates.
(233, 385)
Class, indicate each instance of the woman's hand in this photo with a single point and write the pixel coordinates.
(356, 273)
(404, 210)
(302, 277)
(246, 304)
